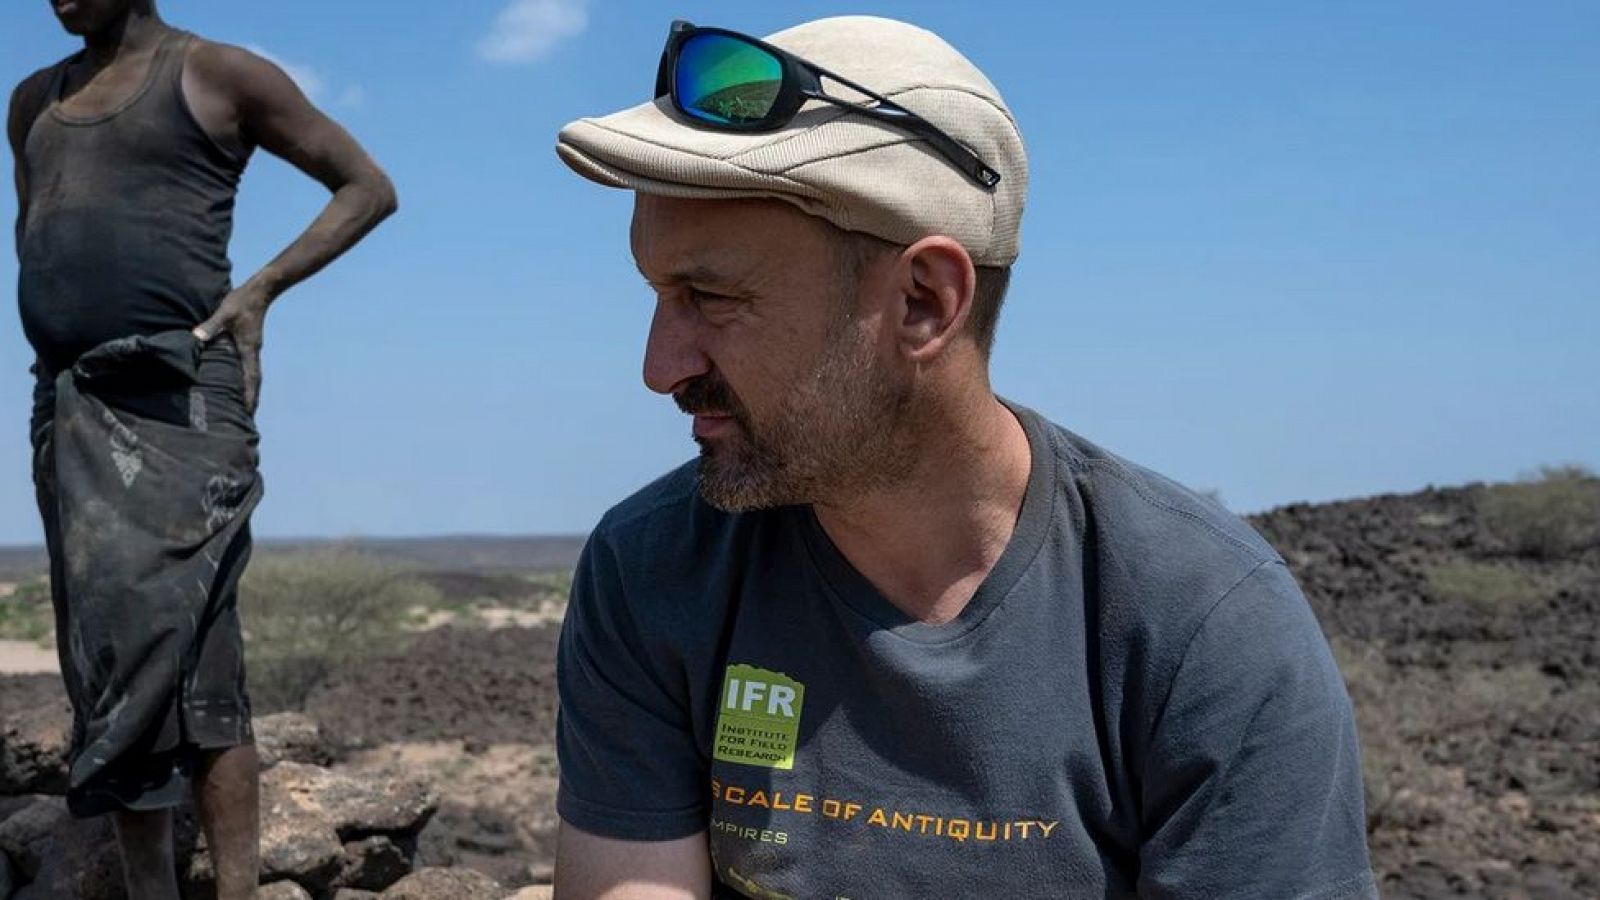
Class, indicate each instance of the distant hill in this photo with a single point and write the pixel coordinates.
(461, 553)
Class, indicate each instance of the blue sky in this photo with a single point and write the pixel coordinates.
(1283, 251)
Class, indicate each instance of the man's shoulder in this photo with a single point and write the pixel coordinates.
(1136, 507)
(672, 494)
(39, 79)
(670, 556)
(666, 524)
(219, 63)
(30, 96)
(1163, 555)
(1165, 560)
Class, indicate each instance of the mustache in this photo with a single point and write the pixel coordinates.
(709, 395)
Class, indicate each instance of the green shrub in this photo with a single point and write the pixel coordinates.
(554, 584)
(1547, 515)
(1489, 587)
(306, 613)
(26, 614)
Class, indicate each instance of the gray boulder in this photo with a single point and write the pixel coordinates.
(26, 834)
(79, 859)
(379, 803)
(445, 884)
(33, 749)
(282, 890)
(290, 737)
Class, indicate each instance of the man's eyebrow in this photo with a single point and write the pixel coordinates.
(698, 273)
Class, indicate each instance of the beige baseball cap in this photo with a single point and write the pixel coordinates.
(859, 174)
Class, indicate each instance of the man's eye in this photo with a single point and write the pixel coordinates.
(709, 299)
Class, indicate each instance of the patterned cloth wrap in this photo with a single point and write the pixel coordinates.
(145, 468)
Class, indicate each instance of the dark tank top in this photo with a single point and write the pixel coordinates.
(128, 217)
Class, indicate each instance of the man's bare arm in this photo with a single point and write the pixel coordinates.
(590, 867)
(272, 113)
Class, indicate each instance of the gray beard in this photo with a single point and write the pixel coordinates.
(841, 432)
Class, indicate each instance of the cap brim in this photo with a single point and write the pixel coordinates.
(647, 148)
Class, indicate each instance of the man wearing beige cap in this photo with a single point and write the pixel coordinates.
(891, 635)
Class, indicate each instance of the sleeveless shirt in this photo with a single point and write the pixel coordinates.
(129, 214)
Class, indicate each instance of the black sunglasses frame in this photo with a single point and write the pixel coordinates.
(802, 81)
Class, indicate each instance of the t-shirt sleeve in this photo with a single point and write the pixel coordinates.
(629, 765)
(1251, 785)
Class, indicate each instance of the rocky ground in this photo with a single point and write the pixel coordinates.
(328, 832)
(1473, 669)
(1471, 662)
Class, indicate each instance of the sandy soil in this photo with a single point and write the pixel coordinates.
(20, 657)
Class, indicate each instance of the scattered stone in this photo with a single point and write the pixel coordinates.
(445, 884)
(534, 892)
(33, 749)
(290, 737)
(80, 860)
(296, 842)
(25, 834)
(353, 894)
(282, 890)
(372, 864)
(381, 803)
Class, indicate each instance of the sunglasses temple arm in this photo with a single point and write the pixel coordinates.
(889, 111)
(953, 150)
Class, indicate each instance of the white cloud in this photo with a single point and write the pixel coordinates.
(527, 30)
(311, 81)
(351, 97)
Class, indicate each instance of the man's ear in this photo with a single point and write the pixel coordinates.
(935, 280)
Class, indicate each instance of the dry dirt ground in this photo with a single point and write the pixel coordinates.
(1473, 672)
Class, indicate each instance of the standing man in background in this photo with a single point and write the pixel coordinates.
(128, 156)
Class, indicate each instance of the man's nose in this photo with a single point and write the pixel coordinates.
(672, 354)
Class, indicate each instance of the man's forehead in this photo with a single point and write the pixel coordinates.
(704, 240)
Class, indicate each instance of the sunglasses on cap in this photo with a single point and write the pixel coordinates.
(727, 81)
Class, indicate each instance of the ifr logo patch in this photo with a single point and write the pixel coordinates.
(759, 721)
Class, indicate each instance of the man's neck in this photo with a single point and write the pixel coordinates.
(131, 34)
(927, 542)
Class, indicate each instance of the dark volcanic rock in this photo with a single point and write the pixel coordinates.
(372, 864)
(484, 685)
(1476, 702)
(79, 860)
(26, 835)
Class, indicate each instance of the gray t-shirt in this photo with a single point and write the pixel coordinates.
(1137, 700)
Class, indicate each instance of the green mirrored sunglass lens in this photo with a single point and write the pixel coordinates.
(726, 81)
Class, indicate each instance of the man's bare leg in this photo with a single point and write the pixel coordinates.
(146, 841)
(227, 798)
